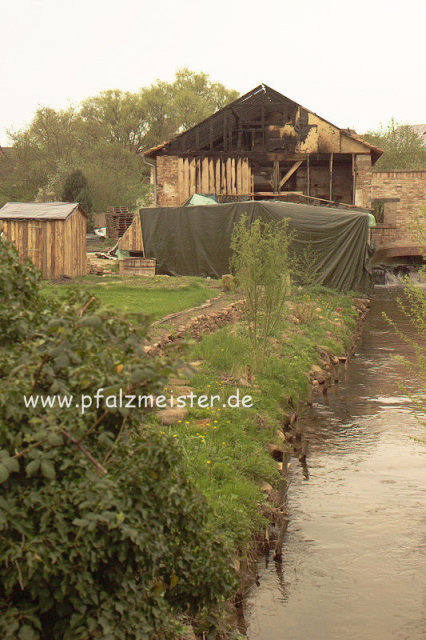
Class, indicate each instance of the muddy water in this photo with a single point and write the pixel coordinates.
(354, 555)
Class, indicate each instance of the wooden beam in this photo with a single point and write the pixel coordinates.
(289, 174)
(204, 165)
(230, 131)
(239, 175)
(192, 177)
(217, 189)
(255, 155)
(331, 175)
(285, 193)
(276, 178)
(212, 186)
(308, 175)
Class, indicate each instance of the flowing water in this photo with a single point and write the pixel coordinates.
(354, 555)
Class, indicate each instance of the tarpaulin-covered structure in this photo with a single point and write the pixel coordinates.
(196, 240)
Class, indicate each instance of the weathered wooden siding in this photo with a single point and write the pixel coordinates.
(132, 239)
(56, 247)
(219, 176)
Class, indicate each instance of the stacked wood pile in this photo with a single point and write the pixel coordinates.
(118, 220)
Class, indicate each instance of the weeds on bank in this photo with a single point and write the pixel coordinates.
(225, 449)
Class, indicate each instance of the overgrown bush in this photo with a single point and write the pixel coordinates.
(260, 262)
(101, 533)
(20, 302)
(305, 266)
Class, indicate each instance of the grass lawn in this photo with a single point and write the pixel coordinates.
(155, 297)
(225, 449)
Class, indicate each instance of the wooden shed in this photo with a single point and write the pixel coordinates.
(51, 234)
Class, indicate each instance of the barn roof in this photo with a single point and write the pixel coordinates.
(246, 105)
(39, 210)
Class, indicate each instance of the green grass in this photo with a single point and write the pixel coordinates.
(226, 453)
(155, 297)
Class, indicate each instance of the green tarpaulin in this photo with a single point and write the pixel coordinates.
(196, 240)
(198, 198)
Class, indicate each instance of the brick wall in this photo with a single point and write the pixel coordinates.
(406, 193)
(167, 181)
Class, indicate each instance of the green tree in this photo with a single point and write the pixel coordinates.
(104, 137)
(403, 147)
(171, 108)
(76, 189)
(116, 117)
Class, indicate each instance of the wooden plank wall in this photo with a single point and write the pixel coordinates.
(132, 239)
(73, 245)
(56, 247)
(219, 176)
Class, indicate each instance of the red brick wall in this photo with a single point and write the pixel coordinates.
(167, 181)
(407, 186)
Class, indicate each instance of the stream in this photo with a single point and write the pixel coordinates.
(354, 554)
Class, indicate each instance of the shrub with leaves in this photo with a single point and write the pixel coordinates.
(306, 267)
(20, 303)
(101, 533)
(260, 262)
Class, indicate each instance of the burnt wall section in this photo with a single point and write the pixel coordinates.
(178, 178)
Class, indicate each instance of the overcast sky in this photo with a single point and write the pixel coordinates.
(356, 64)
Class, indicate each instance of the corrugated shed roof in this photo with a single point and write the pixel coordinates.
(38, 210)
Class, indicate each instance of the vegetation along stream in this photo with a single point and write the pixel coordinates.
(354, 561)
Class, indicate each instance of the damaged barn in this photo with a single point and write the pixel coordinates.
(263, 145)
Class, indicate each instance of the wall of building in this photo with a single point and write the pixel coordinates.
(320, 182)
(179, 178)
(404, 192)
(56, 247)
(167, 181)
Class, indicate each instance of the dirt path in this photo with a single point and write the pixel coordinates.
(208, 316)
